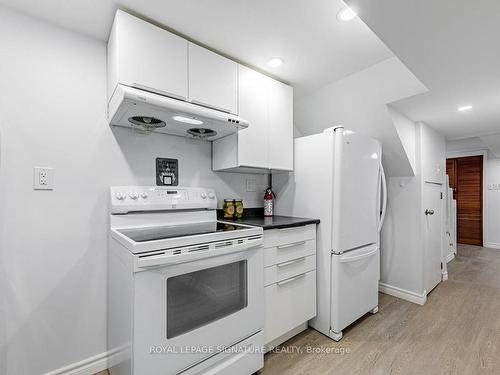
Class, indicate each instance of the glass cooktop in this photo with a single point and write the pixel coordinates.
(175, 231)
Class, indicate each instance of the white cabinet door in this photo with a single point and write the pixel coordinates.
(213, 80)
(280, 126)
(289, 303)
(252, 98)
(267, 144)
(145, 56)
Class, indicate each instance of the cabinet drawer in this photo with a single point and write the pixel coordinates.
(285, 270)
(289, 303)
(290, 251)
(285, 236)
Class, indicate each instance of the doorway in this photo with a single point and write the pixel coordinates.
(466, 180)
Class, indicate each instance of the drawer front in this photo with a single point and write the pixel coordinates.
(245, 357)
(285, 236)
(285, 270)
(287, 252)
(289, 303)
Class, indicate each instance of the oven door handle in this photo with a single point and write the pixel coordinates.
(164, 259)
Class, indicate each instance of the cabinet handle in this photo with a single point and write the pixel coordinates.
(291, 262)
(291, 279)
(291, 228)
(292, 245)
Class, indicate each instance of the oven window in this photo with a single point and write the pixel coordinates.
(198, 298)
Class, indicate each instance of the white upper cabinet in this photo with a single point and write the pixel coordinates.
(253, 141)
(145, 56)
(280, 126)
(213, 80)
(267, 144)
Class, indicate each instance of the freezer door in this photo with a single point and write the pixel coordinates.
(357, 205)
(355, 276)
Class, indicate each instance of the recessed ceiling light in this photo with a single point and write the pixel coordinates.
(188, 120)
(275, 62)
(346, 14)
(464, 108)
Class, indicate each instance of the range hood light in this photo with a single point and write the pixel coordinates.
(187, 120)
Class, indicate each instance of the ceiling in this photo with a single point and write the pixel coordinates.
(317, 49)
(452, 46)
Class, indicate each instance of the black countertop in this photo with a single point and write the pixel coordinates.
(255, 217)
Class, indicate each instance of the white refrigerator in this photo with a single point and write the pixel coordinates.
(338, 178)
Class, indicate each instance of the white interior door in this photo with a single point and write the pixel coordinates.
(433, 230)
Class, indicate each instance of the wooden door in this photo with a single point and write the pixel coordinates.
(466, 180)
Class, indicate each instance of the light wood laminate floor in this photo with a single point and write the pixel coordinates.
(456, 332)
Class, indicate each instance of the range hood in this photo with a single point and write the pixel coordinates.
(145, 111)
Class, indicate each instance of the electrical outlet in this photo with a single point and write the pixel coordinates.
(251, 185)
(43, 178)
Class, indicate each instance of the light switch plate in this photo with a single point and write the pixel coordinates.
(43, 178)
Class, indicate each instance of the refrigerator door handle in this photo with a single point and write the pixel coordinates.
(355, 258)
(384, 201)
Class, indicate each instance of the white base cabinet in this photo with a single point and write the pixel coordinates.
(267, 144)
(289, 280)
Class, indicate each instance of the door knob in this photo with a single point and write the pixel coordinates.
(429, 212)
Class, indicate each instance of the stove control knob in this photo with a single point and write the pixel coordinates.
(144, 195)
(120, 196)
(203, 195)
(211, 195)
(133, 195)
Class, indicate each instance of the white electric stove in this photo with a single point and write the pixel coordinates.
(185, 290)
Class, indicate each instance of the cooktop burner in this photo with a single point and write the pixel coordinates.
(164, 232)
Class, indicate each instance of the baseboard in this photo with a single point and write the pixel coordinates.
(492, 245)
(450, 257)
(89, 366)
(419, 299)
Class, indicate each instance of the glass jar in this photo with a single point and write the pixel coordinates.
(228, 208)
(238, 208)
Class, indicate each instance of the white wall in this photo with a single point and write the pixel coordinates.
(475, 146)
(406, 131)
(402, 239)
(359, 102)
(493, 201)
(401, 263)
(53, 243)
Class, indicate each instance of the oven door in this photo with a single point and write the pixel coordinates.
(185, 313)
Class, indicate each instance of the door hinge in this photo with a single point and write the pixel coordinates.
(441, 195)
(441, 265)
